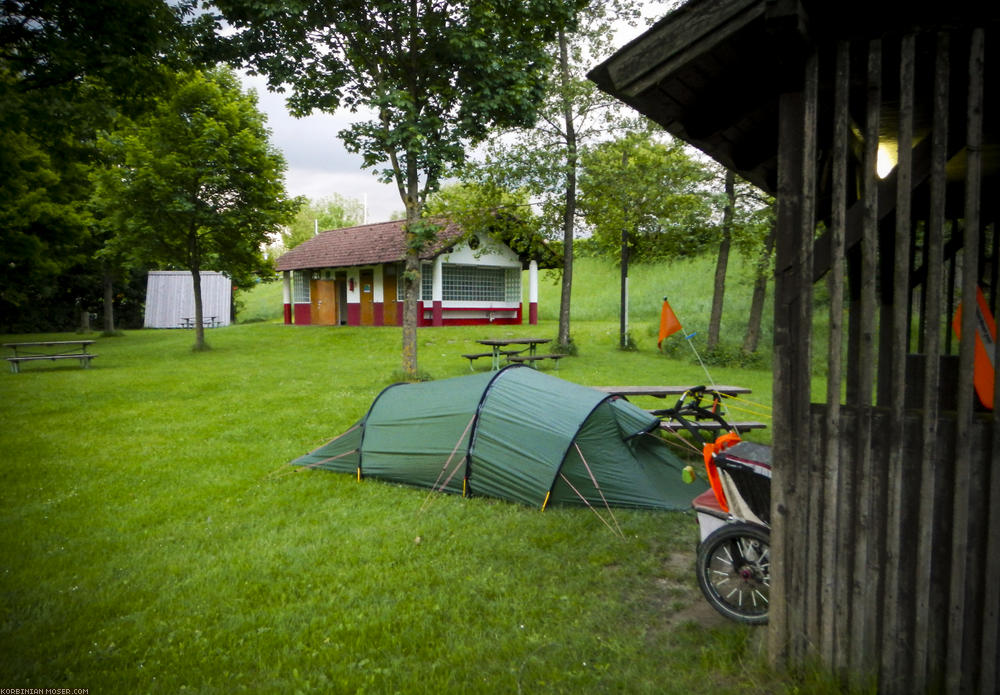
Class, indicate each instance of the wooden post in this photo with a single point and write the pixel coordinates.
(792, 339)
(897, 597)
(832, 581)
(932, 295)
(865, 600)
(966, 396)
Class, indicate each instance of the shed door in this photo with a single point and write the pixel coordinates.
(389, 295)
(367, 314)
(324, 299)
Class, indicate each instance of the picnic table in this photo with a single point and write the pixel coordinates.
(207, 321)
(498, 345)
(49, 350)
(664, 391)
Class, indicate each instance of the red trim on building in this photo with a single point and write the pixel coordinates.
(533, 313)
(288, 313)
(353, 314)
(303, 314)
(437, 318)
(378, 313)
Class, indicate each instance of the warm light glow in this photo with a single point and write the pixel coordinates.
(886, 160)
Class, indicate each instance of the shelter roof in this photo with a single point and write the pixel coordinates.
(383, 242)
(712, 72)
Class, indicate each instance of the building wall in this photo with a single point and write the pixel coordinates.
(434, 308)
(170, 298)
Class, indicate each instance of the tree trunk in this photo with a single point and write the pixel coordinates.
(199, 326)
(569, 213)
(109, 302)
(411, 273)
(722, 263)
(752, 337)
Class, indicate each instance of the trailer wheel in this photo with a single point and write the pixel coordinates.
(734, 571)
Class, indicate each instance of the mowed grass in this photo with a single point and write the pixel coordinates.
(154, 539)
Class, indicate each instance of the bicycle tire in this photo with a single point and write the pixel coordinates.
(734, 571)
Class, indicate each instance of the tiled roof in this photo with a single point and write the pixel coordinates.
(368, 244)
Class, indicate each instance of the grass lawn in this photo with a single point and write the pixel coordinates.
(153, 539)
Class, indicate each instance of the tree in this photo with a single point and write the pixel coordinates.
(67, 68)
(333, 212)
(545, 159)
(437, 77)
(644, 199)
(195, 184)
(746, 222)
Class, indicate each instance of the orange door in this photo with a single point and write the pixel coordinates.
(324, 301)
(389, 295)
(367, 314)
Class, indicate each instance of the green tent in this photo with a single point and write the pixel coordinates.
(516, 434)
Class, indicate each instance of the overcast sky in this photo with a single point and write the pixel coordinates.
(318, 164)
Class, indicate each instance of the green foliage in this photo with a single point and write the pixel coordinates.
(333, 212)
(655, 193)
(195, 184)
(502, 215)
(67, 70)
(436, 76)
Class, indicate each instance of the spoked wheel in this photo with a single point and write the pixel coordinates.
(734, 571)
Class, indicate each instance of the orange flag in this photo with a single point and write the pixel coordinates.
(668, 323)
(985, 351)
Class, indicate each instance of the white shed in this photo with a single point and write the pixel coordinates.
(170, 299)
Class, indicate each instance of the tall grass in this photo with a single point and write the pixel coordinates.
(152, 538)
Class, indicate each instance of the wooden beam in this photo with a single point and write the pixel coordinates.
(966, 396)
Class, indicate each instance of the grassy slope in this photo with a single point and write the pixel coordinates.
(153, 540)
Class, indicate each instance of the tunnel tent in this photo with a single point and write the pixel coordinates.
(517, 434)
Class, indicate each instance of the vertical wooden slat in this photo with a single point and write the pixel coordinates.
(791, 377)
(932, 296)
(866, 564)
(831, 474)
(810, 517)
(894, 639)
(963, 451)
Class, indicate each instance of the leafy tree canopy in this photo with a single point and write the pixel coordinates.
(506, 216)
(434, 75)
(653, 191)
(195, 184)
(332, 212)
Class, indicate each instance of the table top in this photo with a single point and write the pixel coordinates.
(49, 342)
(514, 341)
(664, 391)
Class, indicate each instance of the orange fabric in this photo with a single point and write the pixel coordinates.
(984, 366)
(721, 442)
(668, 323)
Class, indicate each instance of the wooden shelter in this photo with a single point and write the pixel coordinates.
(886, 495)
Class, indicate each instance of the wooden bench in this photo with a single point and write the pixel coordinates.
(65, 350)
(531, 359)
(473, 356)
(15, 362)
